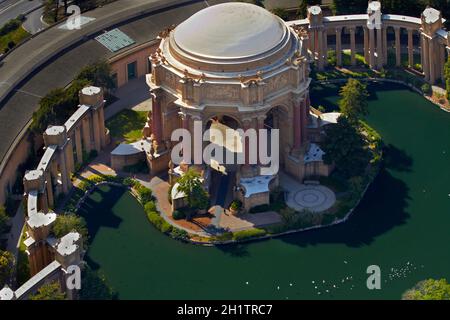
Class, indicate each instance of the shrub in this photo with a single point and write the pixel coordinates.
(226, 236)
(129, 182)
(179, 214)
(160, 224)
(179, 234)
(150, 207)
(66, 223)
(145, 194)
(426, 88)
(236, 205)
(248, 234)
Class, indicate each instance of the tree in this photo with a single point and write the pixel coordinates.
(447, 77)
(98, 74)
(353, 103)
(345, 147)
(57, 106)
(6, 267)
(95, 287)
(49, 291)
(429, 290)
(3, 220)
(66, 223)
(191, 185)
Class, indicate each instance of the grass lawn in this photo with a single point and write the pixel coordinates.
(127, 125)
(16, 36)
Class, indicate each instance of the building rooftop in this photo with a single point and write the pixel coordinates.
(230, 31)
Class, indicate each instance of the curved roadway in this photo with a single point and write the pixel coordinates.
(53, 57)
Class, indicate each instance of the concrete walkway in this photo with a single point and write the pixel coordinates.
(133, 95)
(314, 198)
(17, 223)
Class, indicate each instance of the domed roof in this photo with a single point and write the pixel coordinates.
(230, 31)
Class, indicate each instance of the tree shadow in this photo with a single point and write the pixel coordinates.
(237, 250)
(99, 213)
(396, 159)
(382, 209)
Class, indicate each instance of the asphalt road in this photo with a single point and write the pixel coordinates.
(10, 9)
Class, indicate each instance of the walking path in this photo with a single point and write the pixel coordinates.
(17, 223)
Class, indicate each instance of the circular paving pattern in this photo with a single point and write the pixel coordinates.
(315, 198)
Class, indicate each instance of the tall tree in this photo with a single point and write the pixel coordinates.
(191, 185)
(49, 291)
(353, 103)
(345, 147)
(6, 267)
(429, 290)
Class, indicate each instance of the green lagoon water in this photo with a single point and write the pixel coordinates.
(402, 225)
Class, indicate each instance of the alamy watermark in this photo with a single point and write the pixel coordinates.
(227, 147)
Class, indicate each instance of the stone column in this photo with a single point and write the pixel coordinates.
(372, 48)
(320, 54)
(325, 47)
(85, 127)
(366, 44)
(442, 61)
(101, 122)
(297, 123)
(338, 47)
(385, 46)
(78, 145)
(63, 170)
(305, 116)
(431, 63)
(352, 46)
(380, 58)
(425, 58)
(398, 47)
(156, 118)
(50, 198)
(410, 48)
(96, 128)
(68, 149)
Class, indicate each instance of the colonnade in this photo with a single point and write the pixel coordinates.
(374, 26)
(65, 145)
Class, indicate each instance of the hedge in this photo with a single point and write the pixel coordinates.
(248, 234)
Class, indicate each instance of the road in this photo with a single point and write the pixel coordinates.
(10, 9)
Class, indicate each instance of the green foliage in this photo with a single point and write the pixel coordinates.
(429, 290)
(98, 73)
(6, 267)
(426, 88)
(130, 182)
(226, 236)
(127, 125)
(236, 205)
(353, 103)
(191, 185)
(66, 223)
(10, 26)
(144, 193)
(179, 234)
(95, 287)
(248, 234)
(49, 291)
(3, 221)
(159, 222)
(57, 106)
(150, 207)
(178, 215)
(345, 147)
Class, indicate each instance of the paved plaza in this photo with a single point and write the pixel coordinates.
(311, 197)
